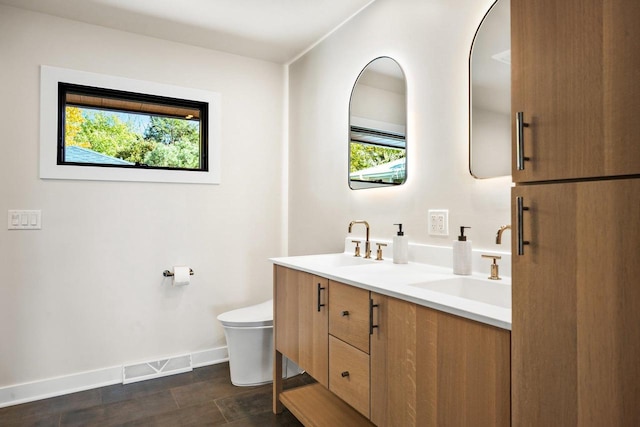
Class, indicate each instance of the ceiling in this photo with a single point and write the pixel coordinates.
(273, 30)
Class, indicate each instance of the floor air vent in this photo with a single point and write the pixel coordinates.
(156, 369)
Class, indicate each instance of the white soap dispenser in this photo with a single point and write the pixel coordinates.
(462, 254)
(400, 247)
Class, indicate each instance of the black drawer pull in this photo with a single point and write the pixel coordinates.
(345, 374)
(345, 313)
(371, 325)
(520, 225)
(320, 289)
(520, 125)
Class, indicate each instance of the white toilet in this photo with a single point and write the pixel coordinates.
(249, 333)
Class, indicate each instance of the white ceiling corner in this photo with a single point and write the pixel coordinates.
(272, 30)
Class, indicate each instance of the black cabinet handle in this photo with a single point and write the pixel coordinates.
(345, 313)
(520, 125)
(345, 374)
(320, 289)
(371, 307)
(520, 225)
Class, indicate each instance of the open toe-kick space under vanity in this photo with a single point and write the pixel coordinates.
(390, 344)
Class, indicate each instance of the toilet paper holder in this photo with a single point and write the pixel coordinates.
(168, 273)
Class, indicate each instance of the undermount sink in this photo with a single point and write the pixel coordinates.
(494, 293)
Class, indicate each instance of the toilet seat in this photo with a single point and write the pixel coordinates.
(252, 316)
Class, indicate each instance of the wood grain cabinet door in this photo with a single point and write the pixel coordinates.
(287, 294)
(575, 72)
(395, 399)
(473, 381)
(313, 336)
(576, 305)
(430, 368)
(301, 320)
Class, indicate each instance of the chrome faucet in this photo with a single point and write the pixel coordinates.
(500, 231)
(367, 246)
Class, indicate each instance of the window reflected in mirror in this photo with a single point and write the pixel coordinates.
(377, 126)
(490, 94)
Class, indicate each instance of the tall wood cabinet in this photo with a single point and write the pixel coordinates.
(576, 284)
(575, 72)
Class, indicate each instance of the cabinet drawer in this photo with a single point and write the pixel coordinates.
(349, 374)
(349, 315)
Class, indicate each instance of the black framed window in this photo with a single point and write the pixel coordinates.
(112, 128)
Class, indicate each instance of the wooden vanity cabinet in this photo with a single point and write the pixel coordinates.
(575, 77)
(301, 320)
(415, 367)
(430, 368)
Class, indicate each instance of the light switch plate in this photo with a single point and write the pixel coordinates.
(438, 222)
(24, 219)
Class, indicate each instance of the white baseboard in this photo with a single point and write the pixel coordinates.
(52, 387)
(209, 357)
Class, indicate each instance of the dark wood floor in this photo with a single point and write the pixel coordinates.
(204, 397)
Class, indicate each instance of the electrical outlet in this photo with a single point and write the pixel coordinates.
(438, 222)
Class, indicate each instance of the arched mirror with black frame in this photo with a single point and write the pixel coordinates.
(377, 126)
(490, 94)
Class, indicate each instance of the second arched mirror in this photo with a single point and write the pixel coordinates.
(490, 94)
(377, 126)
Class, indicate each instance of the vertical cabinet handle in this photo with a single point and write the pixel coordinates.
(520, 125)
(371, 307)
(519, 224)
(320, 289)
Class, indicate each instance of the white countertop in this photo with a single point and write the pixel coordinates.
(399, 280)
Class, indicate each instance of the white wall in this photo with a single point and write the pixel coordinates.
(86, 292)
(430, 39)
